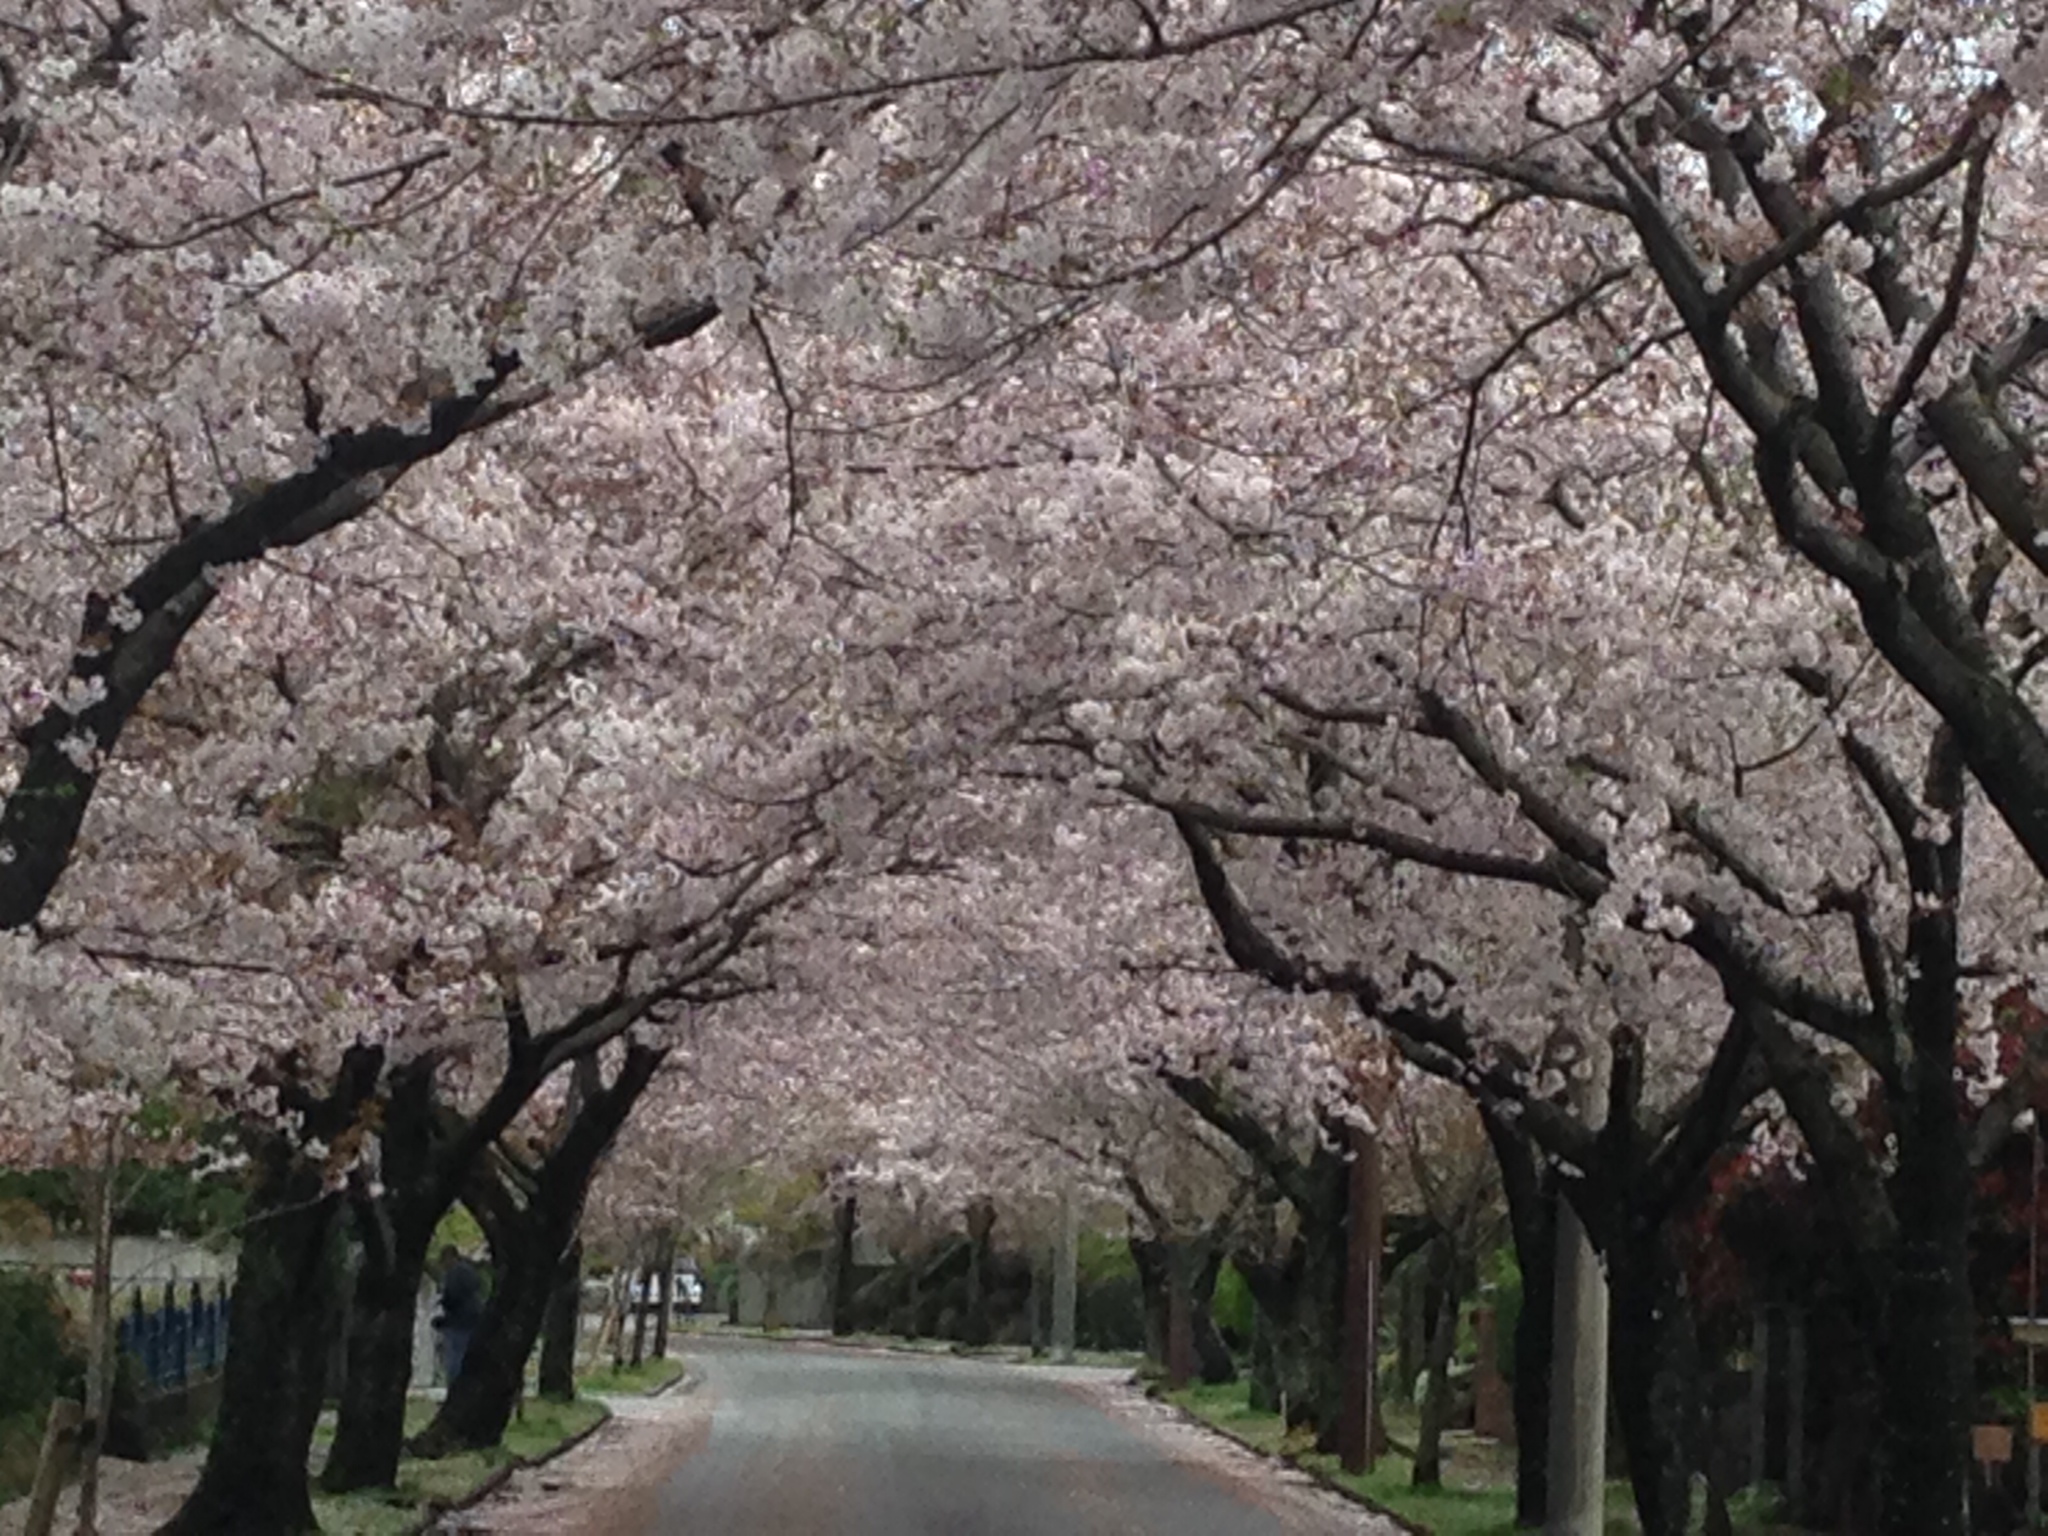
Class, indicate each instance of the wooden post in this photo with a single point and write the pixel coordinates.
(60, 1444)
(1356, 1430)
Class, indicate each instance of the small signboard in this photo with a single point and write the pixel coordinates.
(2040, 1424)
(1991, 1444)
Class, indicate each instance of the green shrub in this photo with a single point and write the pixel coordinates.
(38, 1356)
(1232, 1305)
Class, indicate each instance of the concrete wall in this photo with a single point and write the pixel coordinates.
(775, 1296)
(143, 1261)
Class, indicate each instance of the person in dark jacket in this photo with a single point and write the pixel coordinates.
(461, 1310)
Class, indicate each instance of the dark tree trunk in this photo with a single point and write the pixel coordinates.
(1180, 1319)
(1200, 1261)
(1212, 1355)
(370, 1427)
(481, 1400)
(1654, 1366)
(559, 1329)
(1148, 1255)
(427, 1153)
(1532, 1219)
(1928, 1347)
(286, 1303)
(1441, 1304)
(981, 1219)
(395, 1231)
(844, 1215)
(1299, 1303)
(1930, 1343)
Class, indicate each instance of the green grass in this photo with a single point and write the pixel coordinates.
(1480, 1502)
(541, 1428)
(624, 1381)
(1478, 1494)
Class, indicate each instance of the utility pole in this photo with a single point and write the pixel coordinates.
(1066, 1276)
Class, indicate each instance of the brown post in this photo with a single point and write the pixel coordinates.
(1357, 1429)
(1493, 1408)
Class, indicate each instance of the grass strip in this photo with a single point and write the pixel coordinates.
(645, 1379)
(425, 1490)
(1449, 1510)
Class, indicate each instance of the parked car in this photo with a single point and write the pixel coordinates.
(685, 1291)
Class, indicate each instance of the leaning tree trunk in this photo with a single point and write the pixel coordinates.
(286, 1300)
(395, 1228)
(481, 1400)
(426, 1154)
(1927, 1358)
(559, 1328)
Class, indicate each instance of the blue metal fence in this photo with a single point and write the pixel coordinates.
(176, 1342)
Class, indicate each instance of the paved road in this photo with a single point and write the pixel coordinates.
(806, 1441)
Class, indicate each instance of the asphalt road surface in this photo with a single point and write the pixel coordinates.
(806, 1440)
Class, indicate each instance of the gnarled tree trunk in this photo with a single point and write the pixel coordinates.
(529, 1248)
(559, 1329)
(286, 1302)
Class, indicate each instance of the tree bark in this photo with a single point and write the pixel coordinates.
(1198, 1262)
(560, 1327)
(254, 1482)
(1532, 1220)
(394, 1229)
(1180, 1319)
(1930, 1344)
(1441, 1306)
(844, 1214)
(1654, 1362)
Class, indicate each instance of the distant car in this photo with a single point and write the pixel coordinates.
(685, 1291)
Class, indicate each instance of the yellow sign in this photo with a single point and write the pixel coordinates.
(2040, 1424)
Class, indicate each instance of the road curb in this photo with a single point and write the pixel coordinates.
(435, 1511)
(683, 1382)
(1322, 1480)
